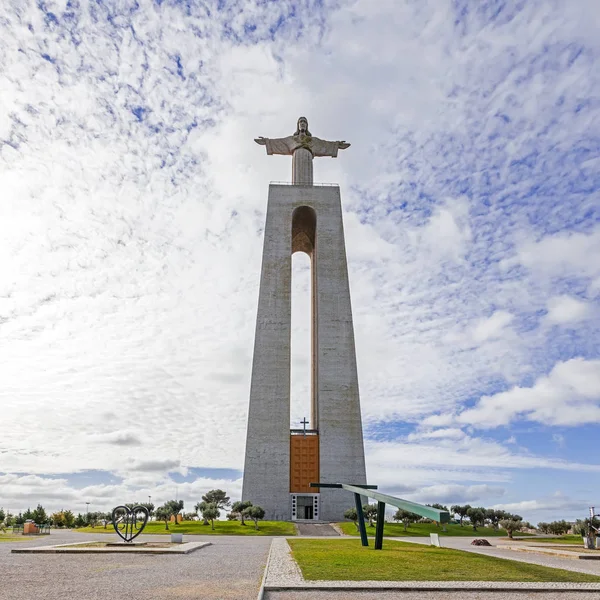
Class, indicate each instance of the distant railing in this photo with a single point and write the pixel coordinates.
(305, 184)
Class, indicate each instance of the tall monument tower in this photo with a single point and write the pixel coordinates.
(280, 463)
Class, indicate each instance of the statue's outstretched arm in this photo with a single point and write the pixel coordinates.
(324, 148)
(277, 145)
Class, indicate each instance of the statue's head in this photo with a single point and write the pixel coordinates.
(302, 126)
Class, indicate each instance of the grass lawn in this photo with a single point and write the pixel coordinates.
(197, 528)
(402, 561)
(14, 538)
(563, 539)
(424, 529)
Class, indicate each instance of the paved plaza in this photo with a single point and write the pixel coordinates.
(231, 568)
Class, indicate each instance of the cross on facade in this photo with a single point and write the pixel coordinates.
(304, 424)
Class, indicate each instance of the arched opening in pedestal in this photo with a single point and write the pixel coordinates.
(304, 437)
(303, 322)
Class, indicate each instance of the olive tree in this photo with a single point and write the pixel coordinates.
(256, 513)
(210, 512)
(406, 517)
(476, 516)
(239, 507)
(511, 525)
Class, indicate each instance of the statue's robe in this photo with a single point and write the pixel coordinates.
(303, 149)
(288, 145)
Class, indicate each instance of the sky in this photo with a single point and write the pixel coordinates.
(132, 207)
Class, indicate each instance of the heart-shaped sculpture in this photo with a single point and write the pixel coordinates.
(129, 522)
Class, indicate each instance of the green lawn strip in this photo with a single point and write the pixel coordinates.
(197, 528)
(424, 529)
(10, 538)
(403, 561)
(565, 539)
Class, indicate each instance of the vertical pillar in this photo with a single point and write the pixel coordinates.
(267, 462)
(379, 525)
(361, 520)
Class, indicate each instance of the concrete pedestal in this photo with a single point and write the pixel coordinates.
(304, 218)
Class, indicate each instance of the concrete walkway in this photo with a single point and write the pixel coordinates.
(316, 530)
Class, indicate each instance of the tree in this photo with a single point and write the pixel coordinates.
(239, 507)
(163, 513)
(92, 518)
(79, 521)
(39, 515)
(200, 508)
(27, 515)
(218, 497)
(2, 515)
(476, 516)
(543, 527)
(19, 519)
(495, 516)
(175, 506)
(210, 512)
(370, 511)
(352, 515)
(58, 519)
(511, 525)
(256, 513)
(148, 505)
(559, 527)
(69, 518)
(461, 511)
(9, 519)
(406, 517)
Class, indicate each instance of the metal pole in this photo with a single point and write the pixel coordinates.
(379, 526)
(361, 521)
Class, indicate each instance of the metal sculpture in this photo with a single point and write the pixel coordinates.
(423, 510)
(129, 522)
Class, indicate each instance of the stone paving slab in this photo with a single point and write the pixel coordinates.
(77, 548)
(283, 577)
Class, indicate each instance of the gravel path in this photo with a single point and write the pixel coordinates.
(231, 568)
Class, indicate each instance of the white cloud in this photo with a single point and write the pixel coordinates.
(22, 491)
(563, 310)
(561, 254)
(492, 327)
(569, 395)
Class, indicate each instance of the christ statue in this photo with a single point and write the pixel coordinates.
(303, 147)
